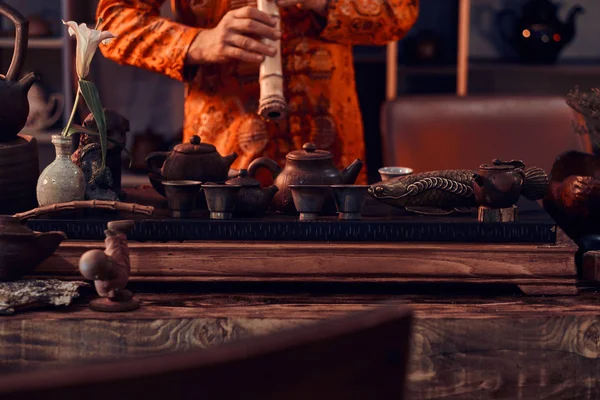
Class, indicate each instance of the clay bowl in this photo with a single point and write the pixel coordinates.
(350, 200)
(393, 172)
(182, 197)
(221, 199)
(308, 200)
(23, 249)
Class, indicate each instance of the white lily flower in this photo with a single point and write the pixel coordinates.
(87, 44)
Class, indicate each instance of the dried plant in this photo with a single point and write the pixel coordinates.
(586, 103)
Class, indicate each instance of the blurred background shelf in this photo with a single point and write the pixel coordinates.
(34, 43)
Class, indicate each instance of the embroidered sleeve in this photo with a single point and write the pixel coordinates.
(145, 39)
(369, 22)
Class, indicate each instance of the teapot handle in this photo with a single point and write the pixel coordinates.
(263, 162)
(500, 18)
(55, 102)
(155, 161)
(21, 40)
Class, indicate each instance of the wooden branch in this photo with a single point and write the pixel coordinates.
(86, 204)
(272, 103)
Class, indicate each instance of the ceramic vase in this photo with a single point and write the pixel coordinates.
(62, 181)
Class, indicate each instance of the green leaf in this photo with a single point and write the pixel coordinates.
(74, 128)
(92, 99)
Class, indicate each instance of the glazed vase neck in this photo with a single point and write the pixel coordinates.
(62, 146)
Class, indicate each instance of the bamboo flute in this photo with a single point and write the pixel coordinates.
(272, 104)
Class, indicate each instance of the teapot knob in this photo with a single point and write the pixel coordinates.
(309, 147)
(195, 140)
(243, 173)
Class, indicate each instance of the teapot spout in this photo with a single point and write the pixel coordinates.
(271, 190)
(47, 243)
(350, 173)
(26, 82)
(230, 159)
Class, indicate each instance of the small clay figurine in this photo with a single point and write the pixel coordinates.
(109, 269)
(88, 157)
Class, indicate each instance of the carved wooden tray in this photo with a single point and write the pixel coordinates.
(381, 223)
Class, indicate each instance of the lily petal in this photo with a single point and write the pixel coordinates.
(87, 44)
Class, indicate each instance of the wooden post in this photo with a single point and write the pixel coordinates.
(391, 89)
(464, 24)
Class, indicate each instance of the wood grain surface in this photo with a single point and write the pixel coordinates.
(536, 269)
(469, 347)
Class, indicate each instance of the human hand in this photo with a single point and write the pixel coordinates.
(318, 6)
(234, 38)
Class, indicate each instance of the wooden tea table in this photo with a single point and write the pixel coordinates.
(502, 321)
(468, 345)
(476, 334)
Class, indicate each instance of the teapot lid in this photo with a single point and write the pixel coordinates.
(195, 147)
(309, 152)
(243, 179)
(10, 226)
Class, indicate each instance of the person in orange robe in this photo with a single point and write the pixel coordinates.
(214, 47)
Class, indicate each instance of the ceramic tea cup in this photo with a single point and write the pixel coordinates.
(308, 200)
(393, 172)
(182, 196)
(221, 199)
(350, 200)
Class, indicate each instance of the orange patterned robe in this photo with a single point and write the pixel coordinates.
(222, 100)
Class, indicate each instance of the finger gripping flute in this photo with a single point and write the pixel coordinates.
(271, 104)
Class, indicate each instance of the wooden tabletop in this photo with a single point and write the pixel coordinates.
(465, 345)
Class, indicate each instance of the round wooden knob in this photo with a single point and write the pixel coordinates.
(309, 147)
(195, 140)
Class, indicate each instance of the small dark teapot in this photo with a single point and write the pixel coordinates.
(13, 93)
(538, 36)
(499, 185)
(252, 199)
(308, 166)
(193, 161)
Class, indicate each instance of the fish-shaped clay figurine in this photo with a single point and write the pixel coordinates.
(432, 192)
(447, 191)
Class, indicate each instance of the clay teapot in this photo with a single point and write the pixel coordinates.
(499, 185)
(308, 166)
(252, 199)
(22, 248)
(44, 110)
(194, 161)
(13, 93)
(538, 36)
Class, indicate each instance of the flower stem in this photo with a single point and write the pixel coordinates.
(73, 111)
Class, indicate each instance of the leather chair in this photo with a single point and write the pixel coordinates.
(448, 132)
(361, 356)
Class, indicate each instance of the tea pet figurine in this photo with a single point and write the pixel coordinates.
(448, 191)
(110, 269)
(107, 184)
